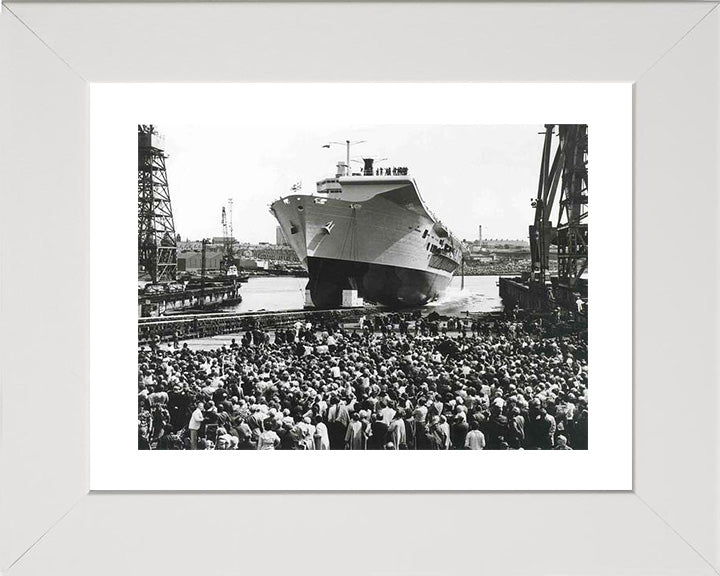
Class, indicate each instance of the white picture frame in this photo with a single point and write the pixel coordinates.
(50, 523)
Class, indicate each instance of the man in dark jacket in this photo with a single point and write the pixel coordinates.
(378, 433)
(458, 432)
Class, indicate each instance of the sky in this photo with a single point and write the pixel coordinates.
(467, 175)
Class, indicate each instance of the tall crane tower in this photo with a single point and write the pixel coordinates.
(227, 234)
(561, 219)
(230, 219)
(561, 211)
(157, 243)
(224, 264)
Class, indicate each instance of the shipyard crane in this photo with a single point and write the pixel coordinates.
(157, 243)
(228, 264)
(561, 214)
(230, 221)
(224, 265)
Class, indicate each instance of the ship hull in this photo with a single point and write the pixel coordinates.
(376, 237)
(392, 286)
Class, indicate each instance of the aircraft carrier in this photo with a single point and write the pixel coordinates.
(370, 232)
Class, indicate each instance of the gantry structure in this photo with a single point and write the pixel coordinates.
(561, 206)
(157, 243)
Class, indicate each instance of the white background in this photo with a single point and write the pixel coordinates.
(115, 462)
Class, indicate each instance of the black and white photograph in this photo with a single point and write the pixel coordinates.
(362, 287)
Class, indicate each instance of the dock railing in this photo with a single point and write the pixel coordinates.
(189, 326)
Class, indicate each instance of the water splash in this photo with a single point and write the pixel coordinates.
(479, 295)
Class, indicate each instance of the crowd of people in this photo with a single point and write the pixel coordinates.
(496, 268)
(391, 382)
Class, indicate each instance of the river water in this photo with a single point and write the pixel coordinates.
(287, 293)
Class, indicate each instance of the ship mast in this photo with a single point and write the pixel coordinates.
(347, 145)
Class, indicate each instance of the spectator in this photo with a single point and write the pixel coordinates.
(196, 421)
(406, 380)
(475, 440)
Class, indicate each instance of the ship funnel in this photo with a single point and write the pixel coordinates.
(368, 170)
(342, 170)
